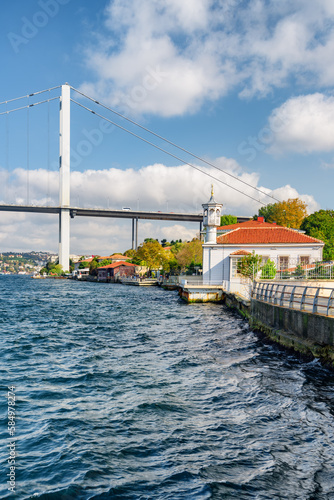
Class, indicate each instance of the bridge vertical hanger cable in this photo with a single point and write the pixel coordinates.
(28, 150)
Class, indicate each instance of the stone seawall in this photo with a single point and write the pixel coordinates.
(304, 332)
(308, 333)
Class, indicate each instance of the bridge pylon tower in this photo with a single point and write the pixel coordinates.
(64, 176)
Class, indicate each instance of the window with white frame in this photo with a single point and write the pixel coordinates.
(304, 260)
(283, 262)
(234, 267)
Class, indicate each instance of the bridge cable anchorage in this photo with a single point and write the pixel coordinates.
(176, 145)
(28, 106)
(30, 95)
(167, 152)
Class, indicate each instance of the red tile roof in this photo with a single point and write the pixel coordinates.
(84, 260)
(118, 256)
(265, 235)
(117, 264)
(247, 223)
(113, 257)
(240, 252)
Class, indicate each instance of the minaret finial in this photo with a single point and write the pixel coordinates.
(212, 190)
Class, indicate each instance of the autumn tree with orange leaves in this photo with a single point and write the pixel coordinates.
(288, 213)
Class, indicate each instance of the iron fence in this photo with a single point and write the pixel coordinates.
(302, 297)
(294, 269)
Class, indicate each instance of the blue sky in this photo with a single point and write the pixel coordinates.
(245, 85)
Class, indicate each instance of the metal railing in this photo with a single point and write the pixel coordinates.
(304, 298)
(294, 270)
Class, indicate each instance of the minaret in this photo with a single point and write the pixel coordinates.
(211, 219)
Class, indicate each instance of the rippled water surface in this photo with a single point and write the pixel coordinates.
(127, 393)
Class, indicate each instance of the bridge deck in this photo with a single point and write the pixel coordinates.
(99, 212)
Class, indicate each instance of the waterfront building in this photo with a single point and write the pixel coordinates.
(286, 247)
(77, 264)
(115, 270)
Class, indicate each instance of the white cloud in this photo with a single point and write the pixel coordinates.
(168, 57)
(286, 192)
(303, 124)
(327, 166)
(177, 231)
(153, 187)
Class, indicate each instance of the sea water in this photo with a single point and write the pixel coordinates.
(128, 393)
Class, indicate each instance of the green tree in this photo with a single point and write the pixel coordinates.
(190, 254)
(165, 243)
(52, 268)
(298, 272)
(227, 220)
(149, 240)
(83, 264)
(94, 264)
(56, 270)
(268, 270)
(266, 212)
(130, 253)
(104, 262)
(176, 246)
(151, 254)
(249, 265)
(320, 225)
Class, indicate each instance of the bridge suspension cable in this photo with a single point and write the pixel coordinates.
(177, 146)
(168, 153)
(7, 110)
(30, 95)
(27, 106)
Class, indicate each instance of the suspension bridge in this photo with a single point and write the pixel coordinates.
(66, 212)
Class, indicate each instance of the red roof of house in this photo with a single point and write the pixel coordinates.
(117, 264)
(113, 257)
(240, 252)
(265, 235)
(118, 256)
(248, 223)
(84, 260)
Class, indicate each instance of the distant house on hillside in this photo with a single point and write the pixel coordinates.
(286, 247)
(114, 258)
(82, 270)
